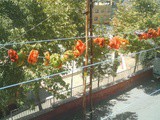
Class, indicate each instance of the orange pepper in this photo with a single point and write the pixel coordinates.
(47, 58)
(33, 56)
(124, 41)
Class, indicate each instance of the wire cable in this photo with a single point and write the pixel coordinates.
(51, 40)
(48, 76)
(142, 51)
(2, 47)
(40, 41)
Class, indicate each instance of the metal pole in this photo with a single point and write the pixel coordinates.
(72, 79)
(91, 57)
(86, 60)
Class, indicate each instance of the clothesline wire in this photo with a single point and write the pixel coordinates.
(40, 41)
(58, 39)
(44, 77)
(142, 51)
(89, 40)
(26, 55)
(49, 76)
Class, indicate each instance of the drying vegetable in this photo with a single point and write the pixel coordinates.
(100, 41)
(68, 55)
(33, 57)
(21, 59)
(55, 60)
(47, 58)
(116, 42)
(13, 55)
(79, 48)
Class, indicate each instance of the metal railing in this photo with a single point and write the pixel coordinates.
(51, 103)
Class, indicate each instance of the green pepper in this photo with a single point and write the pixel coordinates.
(55, 60)
(21, 59)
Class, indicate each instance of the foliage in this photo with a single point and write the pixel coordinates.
(136, 15)
(27, 20)
(147, 58)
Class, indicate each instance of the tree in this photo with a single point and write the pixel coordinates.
(35, 20)
(136, 15)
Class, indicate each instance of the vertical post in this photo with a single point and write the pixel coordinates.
(91, 56)
(11, 115)
(86, 60)
(111, 2)
(72, 79)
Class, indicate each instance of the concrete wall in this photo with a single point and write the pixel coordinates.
(73, 106)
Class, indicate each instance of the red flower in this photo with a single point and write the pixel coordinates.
(13, 55)
(100, 41)
(33, 56)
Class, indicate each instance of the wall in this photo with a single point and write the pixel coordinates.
(76, 104)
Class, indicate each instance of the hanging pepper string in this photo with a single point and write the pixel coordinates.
(64, 72)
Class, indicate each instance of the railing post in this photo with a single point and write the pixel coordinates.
(72, 79)
(50, 102)
(11, 115)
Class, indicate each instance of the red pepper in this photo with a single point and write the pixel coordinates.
(100, 41)
(79, 48)
(13, 55)
(158, 32)
(115, 42)
(143, 36)
(152, 33)
(33, 56)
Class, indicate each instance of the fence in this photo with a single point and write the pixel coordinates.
(134, 63)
